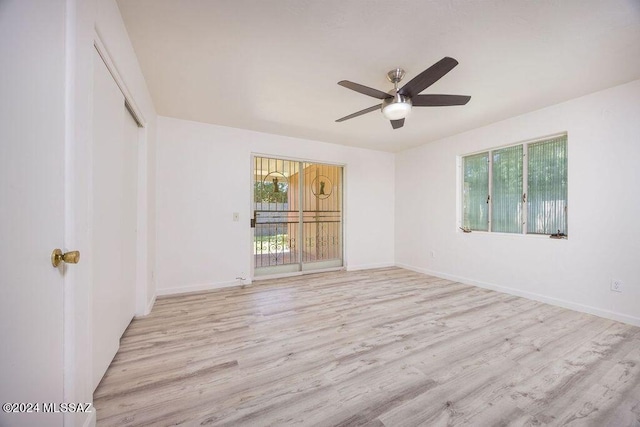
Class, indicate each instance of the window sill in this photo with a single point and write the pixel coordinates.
(512, 235)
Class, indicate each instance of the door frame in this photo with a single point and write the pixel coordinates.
(302, 271)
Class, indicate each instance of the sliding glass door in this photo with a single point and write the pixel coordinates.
(297, 216)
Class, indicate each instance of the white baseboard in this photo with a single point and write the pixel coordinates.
(370, 266)
(295, 274)
(147, 311)
(530, 295)
(199, 288)
(150, 305)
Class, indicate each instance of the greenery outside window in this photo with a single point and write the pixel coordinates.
(517, 189)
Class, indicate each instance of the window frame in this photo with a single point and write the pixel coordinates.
(525, 183)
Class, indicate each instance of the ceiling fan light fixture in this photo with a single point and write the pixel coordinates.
(396, 108)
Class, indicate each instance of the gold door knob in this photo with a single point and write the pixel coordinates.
(70, 257)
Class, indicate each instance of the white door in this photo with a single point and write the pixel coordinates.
(32, 207)
(114, 217)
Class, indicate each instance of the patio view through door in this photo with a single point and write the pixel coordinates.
(297, 216)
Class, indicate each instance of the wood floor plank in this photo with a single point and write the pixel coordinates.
(384, 347)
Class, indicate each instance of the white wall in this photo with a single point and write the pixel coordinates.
(204, 175)
(604, 210)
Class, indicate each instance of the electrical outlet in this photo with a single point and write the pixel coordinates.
(616, 285)
(236, 216)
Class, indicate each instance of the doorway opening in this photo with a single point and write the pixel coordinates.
(297, 216)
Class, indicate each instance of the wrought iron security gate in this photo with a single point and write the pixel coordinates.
(297, 216)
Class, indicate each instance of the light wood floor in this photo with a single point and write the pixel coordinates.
(386, 347)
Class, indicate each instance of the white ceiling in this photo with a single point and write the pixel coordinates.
(272, 66)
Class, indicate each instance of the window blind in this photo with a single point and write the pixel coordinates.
(547, 186)
(506, 191)
(476, 192)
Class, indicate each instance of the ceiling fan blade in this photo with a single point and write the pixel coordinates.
(396, 124)
(359, 113)
(428, 77)
(439, 100)
(365, 90)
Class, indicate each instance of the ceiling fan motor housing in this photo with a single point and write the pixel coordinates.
(396, 108)
(397, 99)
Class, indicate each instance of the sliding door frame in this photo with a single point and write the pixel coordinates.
(309, 266)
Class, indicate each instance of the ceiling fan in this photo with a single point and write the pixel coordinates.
(397, 103)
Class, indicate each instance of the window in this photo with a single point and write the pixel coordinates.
(476, 192)
(517, 189)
